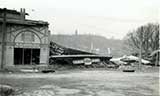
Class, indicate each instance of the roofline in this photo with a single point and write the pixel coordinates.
(25, 22)
(11, 11)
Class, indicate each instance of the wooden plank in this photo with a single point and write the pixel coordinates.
(74, 56)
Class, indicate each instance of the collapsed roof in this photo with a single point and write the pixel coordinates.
(56, 49)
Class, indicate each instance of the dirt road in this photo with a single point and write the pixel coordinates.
(84, 83)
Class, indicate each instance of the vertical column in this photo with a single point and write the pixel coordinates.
(9, 56)
(44, 55)
(0, 43)
(0, 51)
(3, 38)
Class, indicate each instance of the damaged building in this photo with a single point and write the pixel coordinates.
(22, 41)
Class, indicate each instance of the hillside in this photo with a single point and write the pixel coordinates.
(91, 43)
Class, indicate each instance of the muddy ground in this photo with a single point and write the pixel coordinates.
(84, 83)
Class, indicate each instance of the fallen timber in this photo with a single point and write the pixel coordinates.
(60, 54)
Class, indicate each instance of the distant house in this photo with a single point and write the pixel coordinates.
(129, 58)
(157, 54)
(22, 41)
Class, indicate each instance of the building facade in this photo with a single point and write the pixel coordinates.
(22, 41)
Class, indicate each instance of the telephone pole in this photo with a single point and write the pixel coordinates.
(3, 38)
(140, 49)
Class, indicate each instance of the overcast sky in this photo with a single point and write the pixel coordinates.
(109, 18)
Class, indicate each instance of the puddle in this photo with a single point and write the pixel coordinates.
(108, 93)
(67, 91)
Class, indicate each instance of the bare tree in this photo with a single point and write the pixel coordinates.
(148, 35)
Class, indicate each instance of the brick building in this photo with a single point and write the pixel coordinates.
(22, 41)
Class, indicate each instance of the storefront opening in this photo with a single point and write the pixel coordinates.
(26, 56)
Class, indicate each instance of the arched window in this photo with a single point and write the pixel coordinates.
(27, 37)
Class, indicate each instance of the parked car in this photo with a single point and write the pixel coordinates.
(128, 68)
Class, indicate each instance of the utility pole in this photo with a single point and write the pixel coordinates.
(140, 49)
(3, 38)
(140, 55)
(76, 38)
(158, 55)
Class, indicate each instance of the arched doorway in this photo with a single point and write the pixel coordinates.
(27, 49)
